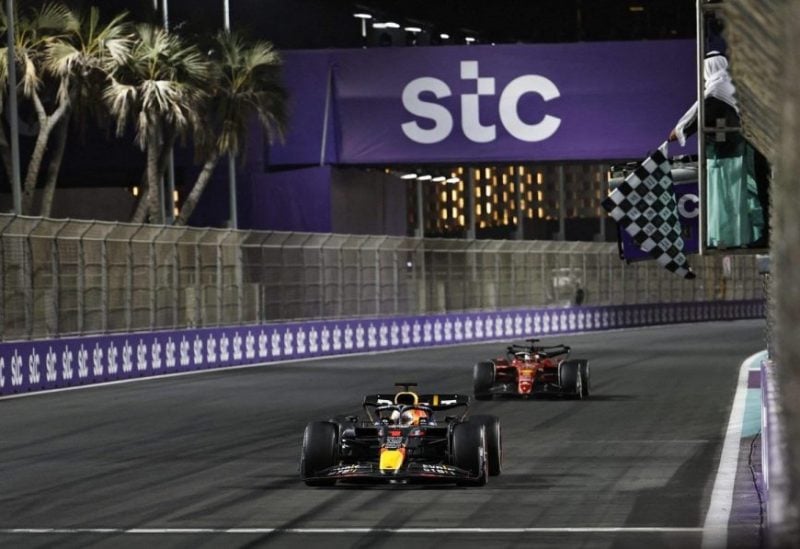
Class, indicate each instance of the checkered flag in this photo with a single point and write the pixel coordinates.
(644, 205)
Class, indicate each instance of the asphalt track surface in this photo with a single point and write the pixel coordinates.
(210, 460)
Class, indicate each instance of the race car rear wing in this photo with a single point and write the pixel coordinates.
(435, 401)
(545, 351)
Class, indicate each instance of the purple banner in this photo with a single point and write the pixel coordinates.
(28, 366)
(584, 101)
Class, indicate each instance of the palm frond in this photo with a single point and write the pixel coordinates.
(54, 18)
(120, 99)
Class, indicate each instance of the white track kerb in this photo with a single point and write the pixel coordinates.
(715, 528)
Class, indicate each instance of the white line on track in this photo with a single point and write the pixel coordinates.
(183, 531)
(715, 529)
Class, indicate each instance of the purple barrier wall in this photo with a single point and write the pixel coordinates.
(506, 103)
(28, 366)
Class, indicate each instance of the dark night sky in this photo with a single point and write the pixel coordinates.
(292, 24)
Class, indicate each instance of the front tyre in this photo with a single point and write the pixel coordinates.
(570, 379)
(320, 451)
(494, 442)
(469, 453)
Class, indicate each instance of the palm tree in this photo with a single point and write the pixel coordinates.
(81, 62)
(34, 33)
(247, 84)
(160, 89)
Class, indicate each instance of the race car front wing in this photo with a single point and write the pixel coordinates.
(433, 472)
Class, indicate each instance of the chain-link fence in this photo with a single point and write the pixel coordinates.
(67, 277)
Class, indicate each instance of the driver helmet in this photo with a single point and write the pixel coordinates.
(412, 417)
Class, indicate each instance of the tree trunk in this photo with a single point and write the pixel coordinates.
(197, 189)
(46, 124)
(141, 205)
(153, 195)
(163, 165)
(54, 166)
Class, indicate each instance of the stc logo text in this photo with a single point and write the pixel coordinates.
(474, 130)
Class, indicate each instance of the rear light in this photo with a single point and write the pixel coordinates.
(395, 433)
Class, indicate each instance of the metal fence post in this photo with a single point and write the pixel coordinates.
(154, 279)
(56, 288)
(176, 284)
(220, 289)
(129, 283)
(239, 278)
(199, 294)
(82, 280)
(497, 284)
(28, 274)
(104, 281)
(359, 266)
(322, 292)
(378, 284)
(396, 281)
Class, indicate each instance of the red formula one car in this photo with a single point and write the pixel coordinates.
(530, 370)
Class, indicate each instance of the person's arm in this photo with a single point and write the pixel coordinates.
(686, 126)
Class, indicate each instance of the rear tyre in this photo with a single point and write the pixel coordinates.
(570, 379)
(482, 380)
(494, 442)
(469, 452)
(320, 451)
